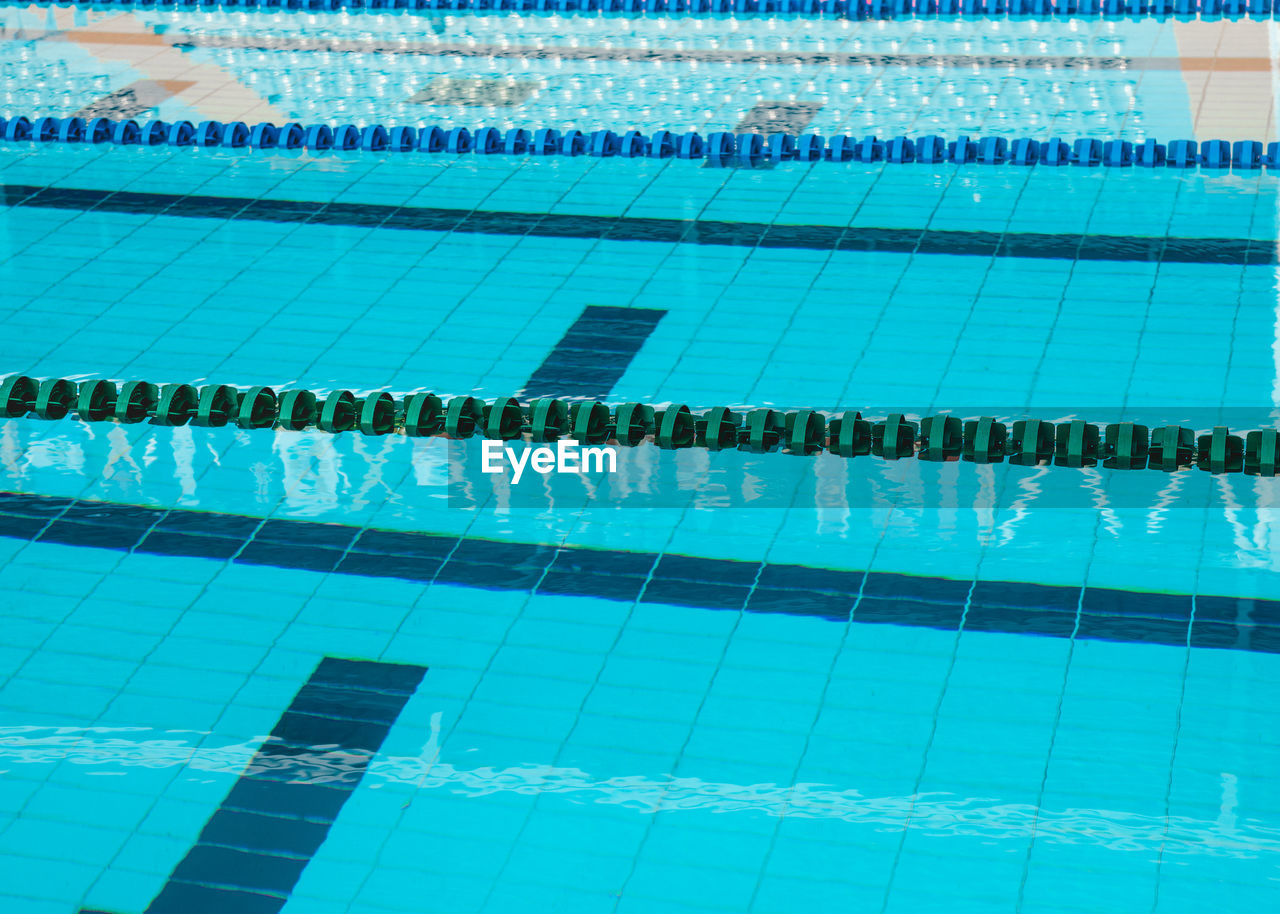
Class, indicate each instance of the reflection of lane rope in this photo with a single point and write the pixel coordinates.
(939, 814)
(1025, 442)
(720, 147)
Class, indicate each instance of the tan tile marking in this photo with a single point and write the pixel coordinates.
(211, 90)
(1228, 64)
(1227, 69)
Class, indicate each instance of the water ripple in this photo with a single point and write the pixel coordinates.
(939, 813)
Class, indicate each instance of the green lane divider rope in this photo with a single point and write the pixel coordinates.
(1026, 442)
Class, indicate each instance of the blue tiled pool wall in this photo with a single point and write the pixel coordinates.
(1087, 78)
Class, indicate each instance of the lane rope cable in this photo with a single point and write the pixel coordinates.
(803, 432)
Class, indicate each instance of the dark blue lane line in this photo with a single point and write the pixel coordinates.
(253, 849)
(1051, 245)
(593, 354)
(679, 580)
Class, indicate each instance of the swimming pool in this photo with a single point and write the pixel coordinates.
(319, 672)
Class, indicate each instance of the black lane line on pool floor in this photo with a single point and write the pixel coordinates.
(593, 354)
(673, 580)
(1040, 245)
(253, 849)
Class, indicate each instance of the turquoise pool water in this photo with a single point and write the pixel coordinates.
(736, 682)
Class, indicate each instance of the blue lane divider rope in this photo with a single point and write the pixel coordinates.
(837, 9)
(718, 147)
